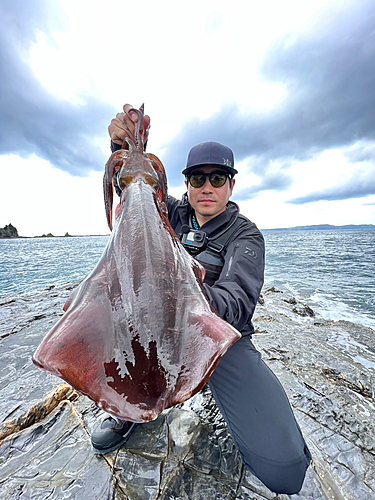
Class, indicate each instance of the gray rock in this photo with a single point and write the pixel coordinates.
(327, 369)
(8, 231)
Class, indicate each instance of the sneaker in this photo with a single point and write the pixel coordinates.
(111, 434)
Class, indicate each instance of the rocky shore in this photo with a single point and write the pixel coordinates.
(327, 369)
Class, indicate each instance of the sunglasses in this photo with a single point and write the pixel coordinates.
(217, 179)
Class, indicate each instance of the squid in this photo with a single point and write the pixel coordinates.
(138, 335)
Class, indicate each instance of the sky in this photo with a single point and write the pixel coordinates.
(288, 86)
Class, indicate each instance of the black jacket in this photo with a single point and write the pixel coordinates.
(234, 289)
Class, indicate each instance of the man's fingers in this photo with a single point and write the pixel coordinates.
(146, 122)
(120, 117)
(124, 125)
(118, 130)
(127, 108)
(134, 117)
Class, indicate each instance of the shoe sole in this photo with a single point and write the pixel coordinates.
(113, 448)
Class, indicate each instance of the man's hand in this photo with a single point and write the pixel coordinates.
(124, 125)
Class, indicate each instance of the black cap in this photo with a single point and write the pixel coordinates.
(210, 153)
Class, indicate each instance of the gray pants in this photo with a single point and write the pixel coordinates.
(260, 419)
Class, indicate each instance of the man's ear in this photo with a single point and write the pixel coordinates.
(233, 183)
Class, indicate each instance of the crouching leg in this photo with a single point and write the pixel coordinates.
(260, 419)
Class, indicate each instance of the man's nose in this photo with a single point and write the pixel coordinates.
(207, 185)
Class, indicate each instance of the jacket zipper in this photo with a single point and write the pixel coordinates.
(231, 259)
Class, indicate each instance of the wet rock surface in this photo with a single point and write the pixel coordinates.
(327, 369)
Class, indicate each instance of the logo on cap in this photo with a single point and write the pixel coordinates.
(227, 162)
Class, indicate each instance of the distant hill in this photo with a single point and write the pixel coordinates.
(322, 227)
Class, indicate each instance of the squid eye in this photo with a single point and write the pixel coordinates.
(124, 181)
(152, 181)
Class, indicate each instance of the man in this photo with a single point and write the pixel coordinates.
(249, 396)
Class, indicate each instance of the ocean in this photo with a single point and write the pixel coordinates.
(332, 271)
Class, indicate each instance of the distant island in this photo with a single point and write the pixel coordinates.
(10, 231)
(323, 227)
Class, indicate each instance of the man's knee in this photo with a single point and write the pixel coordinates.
(279, 477)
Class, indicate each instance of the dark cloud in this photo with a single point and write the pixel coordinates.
(31, 119)
(328, 75)
(330, 80)
(271, 182)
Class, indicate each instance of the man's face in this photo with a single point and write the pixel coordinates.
(208, 201)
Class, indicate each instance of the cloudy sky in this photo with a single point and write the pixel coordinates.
(289, 86)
